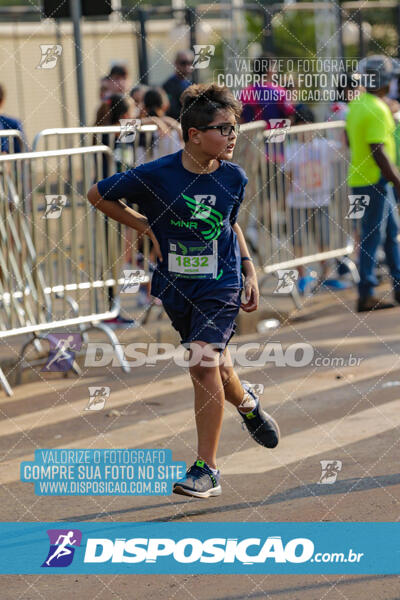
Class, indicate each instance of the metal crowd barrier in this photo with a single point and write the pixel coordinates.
(126, 153)
(59, 257)
(296, 204)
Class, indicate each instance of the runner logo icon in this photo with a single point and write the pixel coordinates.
(330, 470)
(205, 213)
(97, 397)
(203, 54)
(357, 207)
(50, 54)
(279, 128)
(54, 205)
(286, 280)
(61, 551)
(62, 351)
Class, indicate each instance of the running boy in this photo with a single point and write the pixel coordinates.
(190, 200)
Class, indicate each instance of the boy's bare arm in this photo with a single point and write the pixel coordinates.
(122, 213)
(250, 283)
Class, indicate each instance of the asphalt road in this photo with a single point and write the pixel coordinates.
(327, 410)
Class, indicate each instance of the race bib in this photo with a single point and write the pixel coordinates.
(186, 259)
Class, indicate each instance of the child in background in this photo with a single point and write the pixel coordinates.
(169, 139)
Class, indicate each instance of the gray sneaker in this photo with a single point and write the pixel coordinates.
(199, 481)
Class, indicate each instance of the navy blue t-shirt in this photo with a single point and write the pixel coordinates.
(191, 216)
(10, 123)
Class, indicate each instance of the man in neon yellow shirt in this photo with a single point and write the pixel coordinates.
(370, 131)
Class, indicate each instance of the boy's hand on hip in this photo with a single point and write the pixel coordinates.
(252, 294)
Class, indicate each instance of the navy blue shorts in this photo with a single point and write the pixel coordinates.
(208, 319)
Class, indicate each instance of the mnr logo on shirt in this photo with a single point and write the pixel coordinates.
(201, 207)
(181, 223)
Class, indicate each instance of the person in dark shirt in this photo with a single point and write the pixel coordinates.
(189, 203)
(179, 81)
(7, 122)
(265, 99)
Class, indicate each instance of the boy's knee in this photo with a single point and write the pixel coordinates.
(202, 373)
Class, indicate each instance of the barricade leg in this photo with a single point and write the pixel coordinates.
(350, 264)
(114, 341)
(35, 341)
(5, 385)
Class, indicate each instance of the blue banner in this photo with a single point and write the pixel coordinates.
(160, 548)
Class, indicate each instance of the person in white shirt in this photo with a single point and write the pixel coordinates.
(309, 165)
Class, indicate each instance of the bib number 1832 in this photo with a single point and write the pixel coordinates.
(192, 261)
(185, 259)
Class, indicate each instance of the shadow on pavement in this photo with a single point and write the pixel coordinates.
(267, 593)
(304, 491)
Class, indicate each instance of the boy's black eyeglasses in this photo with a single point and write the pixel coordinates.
(225, 129)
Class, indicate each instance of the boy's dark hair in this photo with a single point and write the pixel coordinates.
(200, 102)
(2, 92)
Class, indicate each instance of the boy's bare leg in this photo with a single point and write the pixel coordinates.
(208, 402)
(233, 389)
(262, 426)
